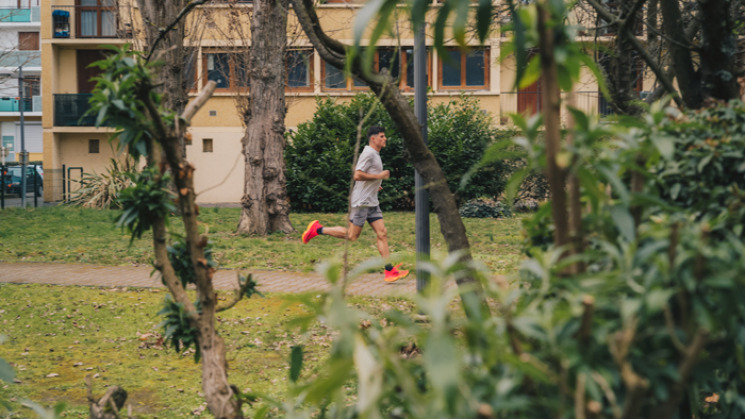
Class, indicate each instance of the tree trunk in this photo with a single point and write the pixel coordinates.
(679, 47)
(624, 63)
(718, 50)
(157, 15)
(265, 203)
(551, 116)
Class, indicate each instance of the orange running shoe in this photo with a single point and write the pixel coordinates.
(311, 231)
(395, 274)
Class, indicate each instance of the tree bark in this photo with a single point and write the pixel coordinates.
(679, 46)
(157, 15)
(718, 50)
(552, 120)
(266, 206)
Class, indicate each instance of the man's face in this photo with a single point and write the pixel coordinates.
(378, 141)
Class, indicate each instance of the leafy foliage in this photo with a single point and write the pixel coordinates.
(654, 325)
(704, 172)
(319, 155)
(176, 328)
(117, 99)
(180, 257)
(102, 191)
(484, 208)
(147, 200)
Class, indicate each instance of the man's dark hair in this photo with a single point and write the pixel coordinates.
(374, 130)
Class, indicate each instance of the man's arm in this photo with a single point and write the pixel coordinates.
(359, 175)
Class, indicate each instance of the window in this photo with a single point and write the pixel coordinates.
(396, 60)
(28, 41)
(93, 146)
(30, 87)
(97, 18)
(207, 145)
(465, 70)
(299, 69)
(228, 70)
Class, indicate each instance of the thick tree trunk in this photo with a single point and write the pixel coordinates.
(265, 203)
(624, 63)
(718, 50)
(157, 15)
(679, 46)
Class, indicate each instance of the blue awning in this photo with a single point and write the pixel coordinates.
(63, 13)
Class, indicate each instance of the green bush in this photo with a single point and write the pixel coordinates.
(705, 172)
(650, 329)
(484, 208)
(319, 155)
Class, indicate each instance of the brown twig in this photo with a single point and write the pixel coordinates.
(238, 293)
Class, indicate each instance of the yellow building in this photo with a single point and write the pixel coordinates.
(74, 31)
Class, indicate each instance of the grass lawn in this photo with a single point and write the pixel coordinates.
(56, 335)
(77, 235)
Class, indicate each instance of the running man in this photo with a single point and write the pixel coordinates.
(368, 176)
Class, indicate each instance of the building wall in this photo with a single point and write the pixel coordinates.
(220, 172)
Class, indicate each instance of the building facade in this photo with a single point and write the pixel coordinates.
(217, 43)
(20, 80)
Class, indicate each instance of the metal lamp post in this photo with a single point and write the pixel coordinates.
(24, 155)
(421, 197)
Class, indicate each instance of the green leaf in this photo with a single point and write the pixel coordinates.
(519, 41)
(460, 22)
(483, 19)
(656, 299)
(624, 222)
(296, 362)
(7, 373)
(532, 72)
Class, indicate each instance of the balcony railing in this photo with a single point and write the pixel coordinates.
(13, 104)
(16, 15)
(70, 108)
(86, 22)
(15, 59)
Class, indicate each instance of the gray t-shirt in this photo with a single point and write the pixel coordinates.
(365, 192)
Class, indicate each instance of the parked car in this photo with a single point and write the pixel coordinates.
(34, 180)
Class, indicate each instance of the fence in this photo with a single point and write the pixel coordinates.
(11, 185)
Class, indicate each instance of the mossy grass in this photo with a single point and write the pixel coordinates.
(56, 335)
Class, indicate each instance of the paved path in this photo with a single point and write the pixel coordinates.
(123, 276)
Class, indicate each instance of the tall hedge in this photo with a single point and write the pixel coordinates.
(319, 154)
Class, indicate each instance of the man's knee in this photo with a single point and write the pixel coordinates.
(382, 233)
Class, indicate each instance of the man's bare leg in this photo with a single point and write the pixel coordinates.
(381, 233)
(352, 232)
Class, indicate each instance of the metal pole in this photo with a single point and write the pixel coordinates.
(24, 156)
(421, 197)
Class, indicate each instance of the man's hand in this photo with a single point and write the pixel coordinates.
(385, 174)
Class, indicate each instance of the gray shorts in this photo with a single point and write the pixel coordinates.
(359, 215)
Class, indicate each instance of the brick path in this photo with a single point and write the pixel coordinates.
(122, 276)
